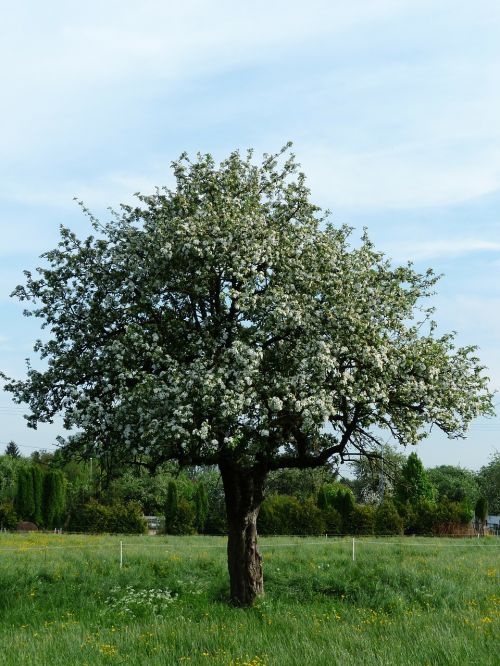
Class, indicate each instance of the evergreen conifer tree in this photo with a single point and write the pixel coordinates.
(12, 450)
(171, 508)
(53, 498)
(37, 479)
(201, 506)
(25, 502)
(414, 485)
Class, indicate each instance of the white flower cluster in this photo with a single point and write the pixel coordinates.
(226, 317)
(130, 602)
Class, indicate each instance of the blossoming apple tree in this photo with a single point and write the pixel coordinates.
(227, 322)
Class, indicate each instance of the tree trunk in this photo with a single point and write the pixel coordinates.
(244, 494)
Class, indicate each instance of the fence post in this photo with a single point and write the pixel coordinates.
(121, 554)
(353, 551)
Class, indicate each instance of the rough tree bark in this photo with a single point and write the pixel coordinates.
(244, 494)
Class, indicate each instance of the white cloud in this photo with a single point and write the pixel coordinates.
(421, 129)
(438, 248)
(57, 61)
(400, 177)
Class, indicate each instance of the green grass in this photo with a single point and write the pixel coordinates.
(399, 603)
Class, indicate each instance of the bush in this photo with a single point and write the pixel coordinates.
(276, 514)
(309, 519)
(128, 519)
(340, 498)
(419, 518)
(184, 520)
(114, 518)
(451, 517)
(180, 514)
(8, 516)
(387, 519)
(443, 518)
(332, 520)
(361, 520)
(284, 514)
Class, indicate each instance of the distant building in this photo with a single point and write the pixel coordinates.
(493, 524)
(155, 523)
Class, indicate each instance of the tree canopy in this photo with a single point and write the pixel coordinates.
(456, 484)
(414, 485)
(489, 482)
(226, 321)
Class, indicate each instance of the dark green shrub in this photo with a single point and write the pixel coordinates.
(322, 499)
(341, 498)
(361, 520)
(481, 510)
(451, 517)
(419, 518)
(127, 519)
(92, 517)
(309, 519)
(114, 518)
(283, 514)
(185, 518)
(8, 516)
(387, 519)
(276, 514)
(332, 521)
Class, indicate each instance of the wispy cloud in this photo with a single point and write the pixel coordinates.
(393, 107)
(439, 248)
(403, 176)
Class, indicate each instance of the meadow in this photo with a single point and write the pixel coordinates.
(65, 600)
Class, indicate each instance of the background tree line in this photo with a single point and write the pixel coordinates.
(392, 494)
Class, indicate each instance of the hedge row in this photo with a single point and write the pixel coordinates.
(282, 514)
(114, 518)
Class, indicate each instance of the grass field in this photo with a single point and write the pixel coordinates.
(65, 600)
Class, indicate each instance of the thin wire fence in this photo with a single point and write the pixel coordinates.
(396, 541)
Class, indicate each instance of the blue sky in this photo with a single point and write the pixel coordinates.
(392, 106)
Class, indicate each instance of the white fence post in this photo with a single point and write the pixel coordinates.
(353, 551)
(121, 554)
